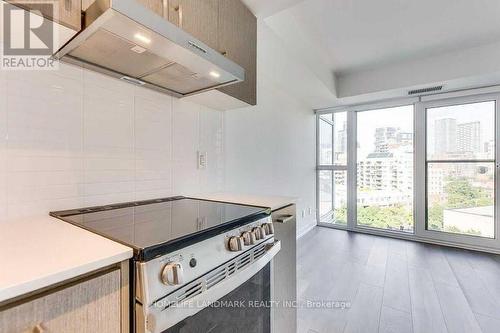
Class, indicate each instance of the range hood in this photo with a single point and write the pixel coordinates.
(124, 39)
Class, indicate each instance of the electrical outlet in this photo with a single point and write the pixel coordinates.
(303, 213)
(309, 211)
(202, 160)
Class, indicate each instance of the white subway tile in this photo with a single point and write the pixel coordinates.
(108, 176)
(106, 199)
(73, 138)
(185, 131)
(107, 188)
(153, 124)
(3, 146)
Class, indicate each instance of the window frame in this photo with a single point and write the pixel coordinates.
(467, 240)
(328, 167)
(357, 226)
(421, 104)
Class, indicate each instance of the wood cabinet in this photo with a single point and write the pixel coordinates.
(198, 18)
(227, 26)
(65, 12)
(157, 6)
(238, 41)
(93, 304)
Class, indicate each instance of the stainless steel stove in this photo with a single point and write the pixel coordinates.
(199, 265)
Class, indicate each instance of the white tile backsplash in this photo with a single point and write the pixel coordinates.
(186, 176)
(72, 138)
(3, 148)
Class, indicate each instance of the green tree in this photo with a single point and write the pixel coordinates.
(461, 194)
(435, 216)
(393, 217)
(340, 215)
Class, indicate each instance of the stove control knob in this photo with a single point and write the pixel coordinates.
(248, 238)
(235, 243)
(257, 231)
(172, 274)
(269, 228)
(263, 231)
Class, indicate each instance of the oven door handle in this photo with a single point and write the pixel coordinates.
(158, 319)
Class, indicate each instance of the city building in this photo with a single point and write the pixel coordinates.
(445, 136)
(385, 176)
(341, 140)
(476, 220)
(384, 138)
(469, 137)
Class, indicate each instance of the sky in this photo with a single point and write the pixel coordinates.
(483, 112)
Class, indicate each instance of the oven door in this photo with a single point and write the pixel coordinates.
(242, 310)
(237, 300)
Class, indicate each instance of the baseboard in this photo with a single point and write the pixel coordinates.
(305, 230)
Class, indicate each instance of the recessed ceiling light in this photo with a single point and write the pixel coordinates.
(142, 38)
(214, 74)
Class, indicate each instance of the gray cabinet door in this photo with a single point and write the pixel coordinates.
(238, 42)
(87, 307)
(197, 17)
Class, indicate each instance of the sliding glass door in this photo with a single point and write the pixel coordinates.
(422, 168)
(384, 157)
(460, 170)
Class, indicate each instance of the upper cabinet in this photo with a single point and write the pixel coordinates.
(156, 6)
(238, 41)
(64, 12)
(227, 26)
(198, 18)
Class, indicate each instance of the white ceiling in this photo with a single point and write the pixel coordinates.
(359, 34)
(338, 38)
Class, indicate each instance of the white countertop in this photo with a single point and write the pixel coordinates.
(45, 251)
(40, 252)
(274, 202)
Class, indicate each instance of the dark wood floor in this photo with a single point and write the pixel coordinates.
(391, 285)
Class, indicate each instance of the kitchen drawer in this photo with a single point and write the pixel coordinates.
(88, 306)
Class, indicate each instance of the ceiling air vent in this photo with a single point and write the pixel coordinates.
(425, 90)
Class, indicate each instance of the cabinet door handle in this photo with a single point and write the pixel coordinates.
(39, 328)
(178, 9)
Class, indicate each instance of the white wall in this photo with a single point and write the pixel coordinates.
(270, 148)
(73, 138)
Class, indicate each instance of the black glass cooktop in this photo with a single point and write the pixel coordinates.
(156, 227)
